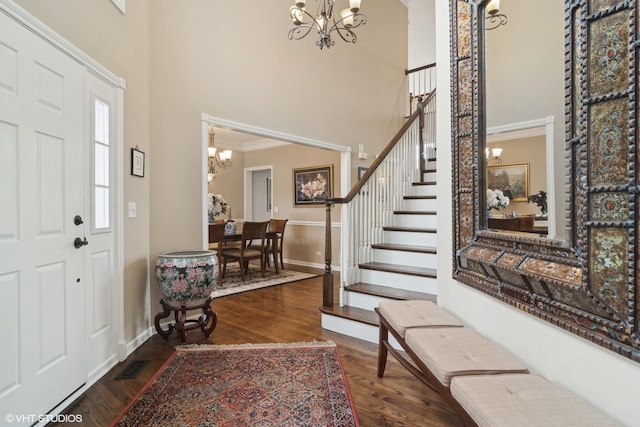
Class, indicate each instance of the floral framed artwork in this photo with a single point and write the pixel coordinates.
(312, 185)
(510, 178)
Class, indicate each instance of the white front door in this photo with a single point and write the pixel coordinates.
(42, 189)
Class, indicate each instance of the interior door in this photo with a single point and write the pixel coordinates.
(42, 275)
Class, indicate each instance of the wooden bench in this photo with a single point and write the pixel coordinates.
(482, 382)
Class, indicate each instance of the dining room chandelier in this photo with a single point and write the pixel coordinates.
(325, 22)
(217, 158)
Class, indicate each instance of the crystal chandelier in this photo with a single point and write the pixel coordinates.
(325, 22)
(217, 158)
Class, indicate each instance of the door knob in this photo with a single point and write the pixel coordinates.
(77, 220)
(78, 242)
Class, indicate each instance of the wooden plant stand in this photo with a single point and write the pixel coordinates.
(182, 324)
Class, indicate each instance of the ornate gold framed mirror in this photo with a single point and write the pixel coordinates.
(586, 282)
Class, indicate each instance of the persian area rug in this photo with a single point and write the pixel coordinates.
(296, 384)
(232, 282)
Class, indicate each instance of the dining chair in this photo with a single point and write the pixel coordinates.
(251, 232)
(216, 242)
(276, 226)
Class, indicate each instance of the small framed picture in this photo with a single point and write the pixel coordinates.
(312, 185)
(361, 172)
(365, 188)
(137, 162)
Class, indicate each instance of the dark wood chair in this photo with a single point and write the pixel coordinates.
(216, 242)
(277, 226)
(252, 232)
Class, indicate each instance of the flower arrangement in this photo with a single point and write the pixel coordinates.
(496, 199)
(216, 205)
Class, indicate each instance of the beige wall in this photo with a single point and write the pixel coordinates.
(203, 62)
(182, 59)
(121, 44)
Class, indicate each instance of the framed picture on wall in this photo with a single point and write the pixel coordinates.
(361, 172)
(137, 162)
(312, 185)
(510, 178)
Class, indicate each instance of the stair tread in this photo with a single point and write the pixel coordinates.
(389, 292)
(424, 183)
(410, 229)
(419, 197)
(402, 269)
(353, 313)
(403, 212)
(406, 248)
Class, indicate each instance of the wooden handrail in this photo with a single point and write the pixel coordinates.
(418, 114)
(415, 70)
(327, 293)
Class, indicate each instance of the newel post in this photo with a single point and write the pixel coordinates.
(327, 278)
(423, 149)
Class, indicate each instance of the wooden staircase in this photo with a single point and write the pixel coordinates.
(403, 266)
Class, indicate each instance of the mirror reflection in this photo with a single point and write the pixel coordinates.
(524, 82)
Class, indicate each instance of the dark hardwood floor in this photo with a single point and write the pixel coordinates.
(285, 313)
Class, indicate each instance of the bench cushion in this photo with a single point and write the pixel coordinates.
(402, 315)
(522, 400)
(448, 352)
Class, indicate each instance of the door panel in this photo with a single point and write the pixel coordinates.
(42, 273)
(101, 322)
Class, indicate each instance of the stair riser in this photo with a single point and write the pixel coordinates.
(429, 176)
(407, 282)
(364, 301)
(420, 221)
(355, 329)
(410, 238)
(350, 328)
(423, 190)
(414, 259)
(420, 205)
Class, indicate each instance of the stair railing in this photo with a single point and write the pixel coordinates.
(370, 204)
(422, 81)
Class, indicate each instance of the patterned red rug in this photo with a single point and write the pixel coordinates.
(296, 384)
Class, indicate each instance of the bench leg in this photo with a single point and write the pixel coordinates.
(382, 349)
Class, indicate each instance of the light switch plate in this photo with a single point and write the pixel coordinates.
(132, 210)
